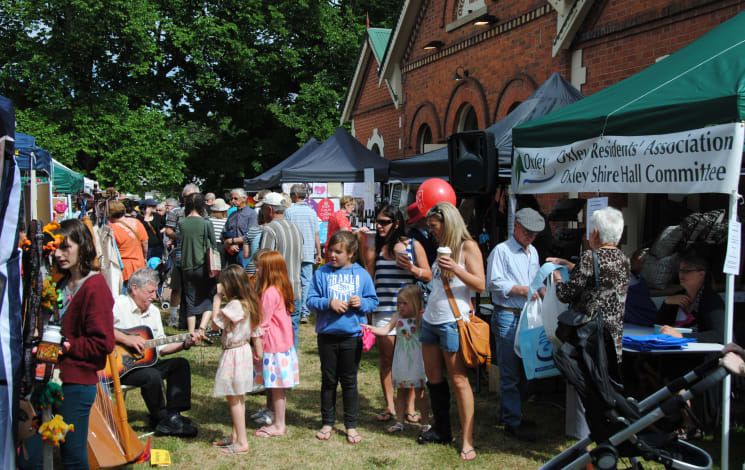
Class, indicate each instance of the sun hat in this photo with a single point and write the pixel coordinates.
(272, 199)
(220, 205)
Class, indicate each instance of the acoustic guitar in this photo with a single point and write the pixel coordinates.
(127, 359)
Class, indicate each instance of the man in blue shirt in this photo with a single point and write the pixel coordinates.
(306, 220)
(511, 267)
(237, 227)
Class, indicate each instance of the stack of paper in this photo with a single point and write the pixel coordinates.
(655, 342)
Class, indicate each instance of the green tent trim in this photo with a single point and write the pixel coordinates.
(65, 180)
(700, 85)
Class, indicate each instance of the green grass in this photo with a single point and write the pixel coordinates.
(378, 449)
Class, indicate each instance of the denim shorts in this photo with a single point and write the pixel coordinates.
(444, 335)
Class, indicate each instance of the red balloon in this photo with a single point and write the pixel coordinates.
(431, 192)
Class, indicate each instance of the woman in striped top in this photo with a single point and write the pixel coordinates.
(218, 217)
(398, 261)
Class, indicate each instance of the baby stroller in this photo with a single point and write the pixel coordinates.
(623, 428)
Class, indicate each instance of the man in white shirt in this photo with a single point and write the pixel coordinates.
(136, 309)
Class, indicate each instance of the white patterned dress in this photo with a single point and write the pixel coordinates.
(235, 370)
(408, 365)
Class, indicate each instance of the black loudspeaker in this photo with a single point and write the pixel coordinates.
(472, 161)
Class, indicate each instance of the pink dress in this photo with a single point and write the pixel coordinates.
(280, 367)
(235, 369)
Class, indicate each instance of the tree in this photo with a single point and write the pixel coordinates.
(208, 89)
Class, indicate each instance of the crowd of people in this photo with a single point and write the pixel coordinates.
(409, 288)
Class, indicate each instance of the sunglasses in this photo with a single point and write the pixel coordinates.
(436, 211)
(384, 222)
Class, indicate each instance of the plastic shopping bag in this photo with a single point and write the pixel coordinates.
(537, 353)
(530, 318)
(551, 309)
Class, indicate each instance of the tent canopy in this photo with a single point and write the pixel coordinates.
(341, 158)
(271, 177)
(64, 179)
(555, 93)
(25, 145)
(700, 85)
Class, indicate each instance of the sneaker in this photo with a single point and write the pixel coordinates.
(258, 413)
(520, 433)
(430, 436)
(265, 419)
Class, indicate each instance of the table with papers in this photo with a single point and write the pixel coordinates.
(630, 329)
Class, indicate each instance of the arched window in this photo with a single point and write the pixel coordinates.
(513, 106)
(425, 138)
(375, 149)
(467, 120)
(466, 7)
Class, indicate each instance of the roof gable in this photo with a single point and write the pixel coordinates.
(375, 44)
(378, 38)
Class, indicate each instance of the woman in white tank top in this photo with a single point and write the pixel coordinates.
(464, 270)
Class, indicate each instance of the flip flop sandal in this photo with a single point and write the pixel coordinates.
(223, 442)
(263, 432)
(322, 435)
(413, 418)
(468, 455)
(354, 437)
(231, 450)
(398, 427)
(384, 415)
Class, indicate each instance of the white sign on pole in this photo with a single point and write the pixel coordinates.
(697, 161)
(369, 195)
(732, 260)
(594, 204)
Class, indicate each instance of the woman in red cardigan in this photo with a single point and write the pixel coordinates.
(88, 329)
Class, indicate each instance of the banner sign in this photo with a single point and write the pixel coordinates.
(697, 161)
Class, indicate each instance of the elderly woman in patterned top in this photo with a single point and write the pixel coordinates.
(609, 297)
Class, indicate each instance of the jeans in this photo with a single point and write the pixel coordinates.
(177, 374)
(295, 317)
(75, 409)
(511, 381)
(340, 360)
(306, 276)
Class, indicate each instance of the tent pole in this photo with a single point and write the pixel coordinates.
(728, 321)
(32, 192)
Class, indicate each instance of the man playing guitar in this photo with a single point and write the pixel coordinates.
(136, 310)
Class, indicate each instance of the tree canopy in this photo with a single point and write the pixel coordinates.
(150, 93)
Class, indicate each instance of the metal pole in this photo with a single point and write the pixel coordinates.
(32, 192)
(729, 297)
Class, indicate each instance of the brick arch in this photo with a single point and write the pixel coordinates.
(468, 91)
(425, 114)
(518, 88)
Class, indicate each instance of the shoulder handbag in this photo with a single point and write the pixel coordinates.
(211, 255)
(473, 333)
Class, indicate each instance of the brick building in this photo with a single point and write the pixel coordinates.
(455, 65)
(440, 73)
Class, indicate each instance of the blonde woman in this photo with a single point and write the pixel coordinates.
(463, 269)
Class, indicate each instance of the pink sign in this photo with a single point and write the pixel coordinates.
(325, 209)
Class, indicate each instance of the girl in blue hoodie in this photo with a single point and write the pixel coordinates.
(342, 295)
